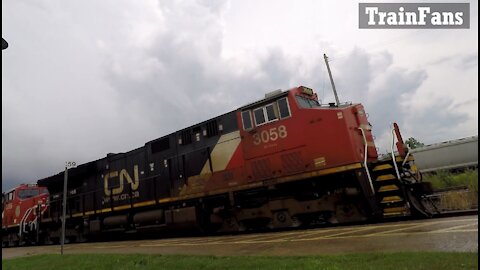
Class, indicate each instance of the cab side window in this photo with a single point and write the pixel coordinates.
(266, 114)
(259, 116)
(271, 110)
(284, 108)
(247, 120)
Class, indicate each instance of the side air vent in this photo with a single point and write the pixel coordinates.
(261, 169)
(212, 128)
(186, 137)
(160, 145)
(292, 162)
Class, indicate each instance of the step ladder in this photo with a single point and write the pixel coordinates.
(388, 182)
(389, 190)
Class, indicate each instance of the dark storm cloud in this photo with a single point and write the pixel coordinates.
(383, 88)
(196, 89)
(397, 86)
(462, 61)
(438, 121)
(354, 75)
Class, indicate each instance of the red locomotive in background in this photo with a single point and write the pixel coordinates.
(22, 208)
(282, 161)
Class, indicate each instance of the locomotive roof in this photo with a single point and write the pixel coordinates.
(280, 94)
(19, 186)
(269, 97)
(74, 175)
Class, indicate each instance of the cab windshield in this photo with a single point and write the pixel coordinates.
(304, 102)
(28, 193)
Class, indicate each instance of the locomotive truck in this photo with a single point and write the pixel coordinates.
(283, 161)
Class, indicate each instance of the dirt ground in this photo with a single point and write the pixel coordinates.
(458, 234)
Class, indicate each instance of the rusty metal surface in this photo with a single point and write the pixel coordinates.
(459, 234)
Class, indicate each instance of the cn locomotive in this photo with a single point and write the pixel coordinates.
(283, 161)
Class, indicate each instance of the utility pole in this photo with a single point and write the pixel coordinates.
(331, 79)
(69, 164)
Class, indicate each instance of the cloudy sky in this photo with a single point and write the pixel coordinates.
(84, 78)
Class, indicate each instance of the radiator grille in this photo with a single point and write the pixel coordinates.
(261, 169)
(292, 162)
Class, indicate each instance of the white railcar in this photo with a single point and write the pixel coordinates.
(449, 155)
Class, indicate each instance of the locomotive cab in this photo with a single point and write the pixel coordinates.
(344, 125)
(21, 207)
(290, 132)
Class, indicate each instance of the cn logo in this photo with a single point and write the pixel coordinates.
(123, 176)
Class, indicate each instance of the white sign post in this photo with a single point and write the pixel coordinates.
(68, 165)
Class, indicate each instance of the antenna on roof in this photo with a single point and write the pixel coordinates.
(331, 79)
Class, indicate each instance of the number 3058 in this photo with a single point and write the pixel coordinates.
(270, 135)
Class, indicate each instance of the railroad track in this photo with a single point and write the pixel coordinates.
(462, 188)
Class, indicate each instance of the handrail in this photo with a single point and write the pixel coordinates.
(393, 153)
(22, 221)
(365, 160)
(23, 224)
(406, 157)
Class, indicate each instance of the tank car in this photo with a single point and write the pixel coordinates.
(283, 161)
(453, 155)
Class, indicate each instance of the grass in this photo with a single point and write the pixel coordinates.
(445, 179)
(456, 200)
(394, 261)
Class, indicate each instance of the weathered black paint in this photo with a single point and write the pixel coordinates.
(164, 165)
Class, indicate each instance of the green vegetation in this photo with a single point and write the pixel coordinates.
(413, 143)
(394, 261)
(445, 179)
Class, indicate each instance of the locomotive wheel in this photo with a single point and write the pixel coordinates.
(231, 225)
(80, 238)
(282, 219)
(14, 243)
(13, 240)
(348, 212)
(254, 224)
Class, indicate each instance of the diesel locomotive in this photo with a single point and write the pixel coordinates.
(283, 161)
